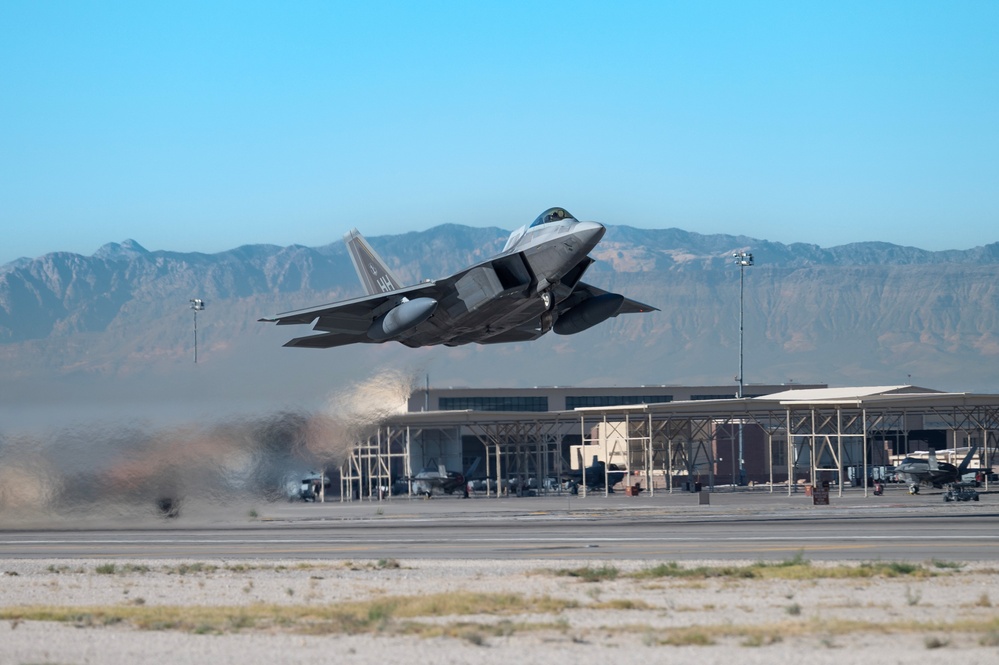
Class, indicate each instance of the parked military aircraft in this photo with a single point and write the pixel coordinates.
(432, 480)
(929, 471)
(597, 475)
(533, 286)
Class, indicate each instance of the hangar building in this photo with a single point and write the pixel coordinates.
(665, 437)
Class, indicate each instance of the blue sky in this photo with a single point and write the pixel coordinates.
(204, 126)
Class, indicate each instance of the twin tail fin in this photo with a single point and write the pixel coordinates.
(376, 277)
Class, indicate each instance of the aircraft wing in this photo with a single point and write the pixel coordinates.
(347, 322)
(584, 291)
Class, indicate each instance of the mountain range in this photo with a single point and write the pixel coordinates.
(117, 326)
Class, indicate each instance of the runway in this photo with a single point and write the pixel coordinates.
(737, 527)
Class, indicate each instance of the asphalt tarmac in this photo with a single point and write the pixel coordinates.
(737, 525)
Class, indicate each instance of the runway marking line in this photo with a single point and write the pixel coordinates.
(430, 539)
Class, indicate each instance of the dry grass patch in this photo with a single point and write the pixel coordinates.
(589, 573)
(466, 603)
(689, 637)
(191, 568)
(117, 569)
(792, 569)
(822, 629)
(380, 564)
(350, 617)
(477, 632)
(762, 640)
(198, 567)
(401, 615)
(621, 604)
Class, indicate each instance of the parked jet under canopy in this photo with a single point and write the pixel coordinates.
(931, 472)
(533, 286)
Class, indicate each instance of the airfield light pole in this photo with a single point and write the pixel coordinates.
(197, 304)
(743, 260)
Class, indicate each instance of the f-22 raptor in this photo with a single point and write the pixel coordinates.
(598, 475)
(533, 286)
(929, 471)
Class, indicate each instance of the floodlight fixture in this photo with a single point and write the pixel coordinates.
(197, 304)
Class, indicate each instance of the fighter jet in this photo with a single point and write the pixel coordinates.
(597, 475)
(432, 480)
(448, 482)
(534, 285)
(916, 471)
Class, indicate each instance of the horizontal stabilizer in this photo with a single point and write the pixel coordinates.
(326, 341)
(584, 291)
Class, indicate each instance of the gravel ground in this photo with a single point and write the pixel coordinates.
(950, 615)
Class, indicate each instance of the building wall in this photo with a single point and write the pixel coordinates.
(562, 398)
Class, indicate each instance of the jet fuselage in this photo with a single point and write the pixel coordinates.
(530, 278)
(916, 471)
(533, 286)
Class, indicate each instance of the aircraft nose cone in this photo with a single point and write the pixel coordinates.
(589, 233)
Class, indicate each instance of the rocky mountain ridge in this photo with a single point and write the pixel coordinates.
(859, 313)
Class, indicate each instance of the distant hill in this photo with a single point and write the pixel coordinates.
(118, 322)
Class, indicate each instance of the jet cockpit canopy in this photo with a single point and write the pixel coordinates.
(552, 215)
(547, 217)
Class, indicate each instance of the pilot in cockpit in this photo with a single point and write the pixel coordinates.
(548, 216)
(551, 215)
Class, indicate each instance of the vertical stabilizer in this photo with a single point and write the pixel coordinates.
(375, 276)
(931, 460)
(961, 470)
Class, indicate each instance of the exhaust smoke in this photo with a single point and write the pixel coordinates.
(113, 471)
